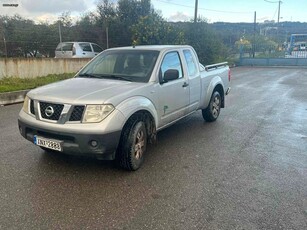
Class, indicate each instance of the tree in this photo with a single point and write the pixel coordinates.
(257, 44)
(152, 29)
(207, 44)
(87, 29)
(129, 13)
(65, 19)
(106, 18)
(20, 36)
(129, 22)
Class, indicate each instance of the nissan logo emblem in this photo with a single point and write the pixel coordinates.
(49, 111)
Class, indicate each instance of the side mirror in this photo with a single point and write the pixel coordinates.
(171, 74)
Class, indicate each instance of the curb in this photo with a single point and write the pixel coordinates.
(12, 97)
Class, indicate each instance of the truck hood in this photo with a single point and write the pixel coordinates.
(83, 91)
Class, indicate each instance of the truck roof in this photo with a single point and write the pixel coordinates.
(152, 47)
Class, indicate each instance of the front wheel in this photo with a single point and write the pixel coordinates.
(133, 145)
(212, 112)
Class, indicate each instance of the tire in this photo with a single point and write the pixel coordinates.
(212, 112)
(132, 145)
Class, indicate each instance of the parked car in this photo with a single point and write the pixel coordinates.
(77, 50)
(116, 104)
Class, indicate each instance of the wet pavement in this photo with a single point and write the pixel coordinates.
(248, 170)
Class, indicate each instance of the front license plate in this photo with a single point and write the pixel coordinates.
(47, 143)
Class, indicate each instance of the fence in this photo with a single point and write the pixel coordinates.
(272, 55)
(34, 67)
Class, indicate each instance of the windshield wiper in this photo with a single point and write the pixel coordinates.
(89, 75)
(117, 77)
(122, 78)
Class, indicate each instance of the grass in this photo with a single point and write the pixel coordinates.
(10, 84)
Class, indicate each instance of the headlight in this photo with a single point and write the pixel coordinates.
(96, 113)
(26, 104)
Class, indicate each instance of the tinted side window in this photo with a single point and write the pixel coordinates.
(96, 48)
(192, 69)
(171, 61)
(85, 47)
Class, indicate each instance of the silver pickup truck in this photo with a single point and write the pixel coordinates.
(117, 103)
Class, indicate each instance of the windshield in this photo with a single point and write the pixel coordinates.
(127, 65)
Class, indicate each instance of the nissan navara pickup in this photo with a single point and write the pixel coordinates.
(116, 104)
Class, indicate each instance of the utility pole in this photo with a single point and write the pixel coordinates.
(5, 45)
(60, 33)
(107, 35)
(254, 42)
(4, 40)
(279, 2)
(195, 14)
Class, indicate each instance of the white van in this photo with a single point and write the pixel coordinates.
(77, 50)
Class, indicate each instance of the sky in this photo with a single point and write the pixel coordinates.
(171, 10)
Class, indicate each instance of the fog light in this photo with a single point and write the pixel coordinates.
(94, 143)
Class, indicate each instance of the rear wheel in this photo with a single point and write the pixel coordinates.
(133, 145)
(212, 112)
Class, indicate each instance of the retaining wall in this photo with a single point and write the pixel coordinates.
(38, 67)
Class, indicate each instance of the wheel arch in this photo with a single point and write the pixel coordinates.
(140, 108)
(149, 121)
(216, 84)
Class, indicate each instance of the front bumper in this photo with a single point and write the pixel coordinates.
(76, 143)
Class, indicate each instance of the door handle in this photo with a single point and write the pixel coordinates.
(185, 84)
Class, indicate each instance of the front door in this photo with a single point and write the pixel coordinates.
(173, 96)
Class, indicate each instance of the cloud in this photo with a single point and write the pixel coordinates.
(53, 6)
(49, 18)
(46, 10)
(179, 17)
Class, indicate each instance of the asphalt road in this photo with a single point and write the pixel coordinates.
(248, 170)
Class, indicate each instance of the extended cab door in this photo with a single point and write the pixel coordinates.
(173, 95)
(193, 74)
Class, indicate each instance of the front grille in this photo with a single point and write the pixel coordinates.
(56, 108)
(77, 113)
(32, 107)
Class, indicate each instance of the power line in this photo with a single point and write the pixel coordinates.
(205, 9)
(279, 2)
(275, 13)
